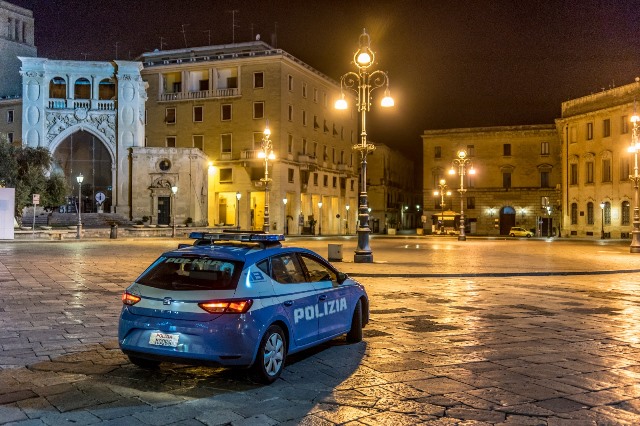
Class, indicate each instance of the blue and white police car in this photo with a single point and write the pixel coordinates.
(238, 299)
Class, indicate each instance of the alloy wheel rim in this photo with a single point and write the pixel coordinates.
(273, 354)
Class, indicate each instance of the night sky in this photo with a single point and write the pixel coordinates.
(451, 63)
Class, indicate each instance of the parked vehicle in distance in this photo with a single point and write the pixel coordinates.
(238, 299)
(517, 231)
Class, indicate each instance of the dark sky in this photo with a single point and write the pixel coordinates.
(451, 63)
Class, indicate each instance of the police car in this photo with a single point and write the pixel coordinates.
(238, 299)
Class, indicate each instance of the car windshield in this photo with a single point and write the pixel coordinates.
(191, 273)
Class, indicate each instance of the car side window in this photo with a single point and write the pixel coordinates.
(286, 269)
(263, 266)
(318, 271)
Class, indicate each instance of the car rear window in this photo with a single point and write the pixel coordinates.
(192, 273)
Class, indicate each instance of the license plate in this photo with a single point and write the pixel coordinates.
(163, 339)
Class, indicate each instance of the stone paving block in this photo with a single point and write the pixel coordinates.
(258, 420)
(11, 413)
(70, 418)
(439, 385)
(388, 419)
(337, 414)
(477, 415)
(168, 415)
(604, 397)
(560, 405)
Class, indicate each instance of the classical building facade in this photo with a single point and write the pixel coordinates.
(220, 99)
(517, 180)
(597, 193)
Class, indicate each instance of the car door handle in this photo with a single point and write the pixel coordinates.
(323, 297)
(288, 303)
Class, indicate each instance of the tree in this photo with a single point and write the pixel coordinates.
(28, 171)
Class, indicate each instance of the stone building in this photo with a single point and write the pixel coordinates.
(517, 180)
(220, 99)
(595, 131)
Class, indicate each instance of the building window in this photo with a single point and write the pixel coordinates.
(304, 89)
(226, 175)
(325, 180)
(333, 155)
(471, 203)
(607, 213)
(10, 137)
(544, 179)
(437, 152)
(606, 128)
(315, 95)
(304, 117)
(590, 213)
(315, 179)
(171, 141)
(624, 168)
(606, 170)
(258, 80)
(197, 114)
(316, 126)
(590, 172)
(573, 134)
(544, 148)
(624, 124)
(315, 149)
(325, 128)
(589, 131)
(335, 182)
(471, 150)
(506, 180)
(506, 149)
(198, 142)
(226, 112)
(258, 110)
(10, 116)
(290, 82)
(471, 181)
(290, 144)
(626, 214)
(325, 153)
(257, 140)
(170, 115)
(225, 143)
(304, 146)
(290, 112)
(290, 175)
(573, 174)
(574, 213)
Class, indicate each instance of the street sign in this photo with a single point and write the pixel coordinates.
(36, 199)
(100, 197)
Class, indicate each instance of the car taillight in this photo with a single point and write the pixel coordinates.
(227, 306)
(130, 299)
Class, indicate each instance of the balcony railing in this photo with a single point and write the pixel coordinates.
(200, 94)
(89, 104)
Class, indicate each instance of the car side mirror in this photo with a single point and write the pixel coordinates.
(341, 277)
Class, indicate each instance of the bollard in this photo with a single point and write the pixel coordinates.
(335, 253)
(114, 231)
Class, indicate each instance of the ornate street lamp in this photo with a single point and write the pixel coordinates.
(363, 82)
(602, 205)
(443, 190)
(266, 152)
(174, 191)
(286, 222)
(320, 220)
(347, 207)
(79, 178)
(238, 196)
(462, 162)
(635, 178)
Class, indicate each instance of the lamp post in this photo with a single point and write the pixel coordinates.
(443, 190)
(266, 152)
(320, 220)
(602, 221)
(286, 222)
(79, 178)
(174, 191)
(238, 196)
(363, 82)
(635, 178)
(347, 207)
(462, 162)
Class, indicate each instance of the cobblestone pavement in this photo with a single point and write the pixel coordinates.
(482, 332)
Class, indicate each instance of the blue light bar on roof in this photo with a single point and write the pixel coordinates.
(238, 236)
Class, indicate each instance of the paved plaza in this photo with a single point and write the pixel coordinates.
(482, 332)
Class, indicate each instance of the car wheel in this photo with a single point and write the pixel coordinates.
(512, 235)
(355, 333)
(147, 364)
(528, 235)
(271, 356)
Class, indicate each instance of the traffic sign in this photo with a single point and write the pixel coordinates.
(36, 199)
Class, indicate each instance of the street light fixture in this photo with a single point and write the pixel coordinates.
(320, 221)
(347, 207)
(266, 152)
(462, 162)
(443, 190)
(363, 82)
(602, 205)
(635, 178)
(238, 196)
(174, 191)
(286, 222)
(79, 178)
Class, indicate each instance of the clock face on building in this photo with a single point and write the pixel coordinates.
(164, 165)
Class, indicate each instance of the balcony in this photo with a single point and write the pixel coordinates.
(200, 94)
(88, 104)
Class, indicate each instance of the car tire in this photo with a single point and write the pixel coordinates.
(147, 364)
(355, 333)
(512, 235)
(528, 235)
(271, 356)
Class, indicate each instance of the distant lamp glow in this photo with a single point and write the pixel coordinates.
(174, 191)
(341, 103)
(387, 101)
(79, 179)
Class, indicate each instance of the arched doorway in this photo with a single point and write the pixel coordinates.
(507, 219)
(82, 152)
